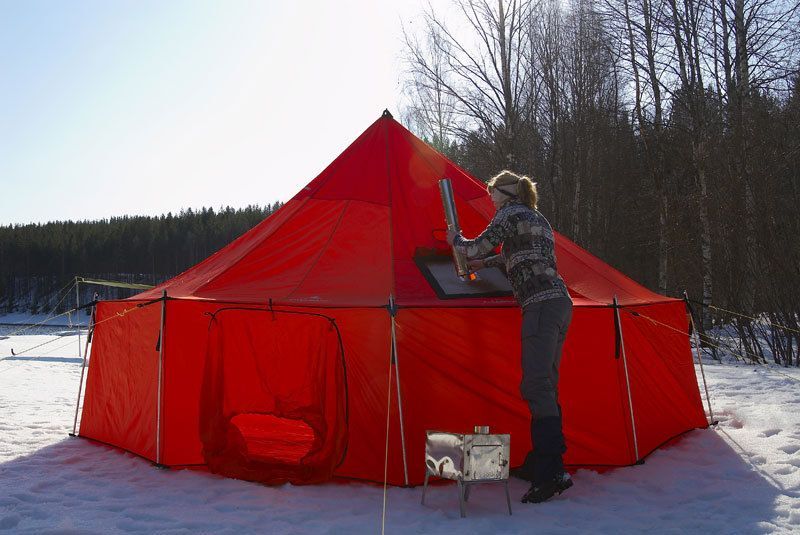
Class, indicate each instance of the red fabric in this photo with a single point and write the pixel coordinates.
(269, 439)
(273, 403)
(666, 399)
(121, 398)
(362, 219)
(339, 248)
(453, 381)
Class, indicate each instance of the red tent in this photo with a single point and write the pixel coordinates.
(274, 361)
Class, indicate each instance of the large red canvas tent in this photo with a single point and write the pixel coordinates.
(272, 359)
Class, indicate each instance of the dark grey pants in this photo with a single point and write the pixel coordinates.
(544, 329)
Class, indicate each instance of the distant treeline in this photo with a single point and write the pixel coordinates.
(37, 260)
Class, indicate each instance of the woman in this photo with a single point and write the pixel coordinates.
(529, 258)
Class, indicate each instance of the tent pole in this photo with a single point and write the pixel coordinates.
(711, 420)
(83, 371)
(393, 312)
(627, 378)
(78, 311)
(160, 374)
(386, 443)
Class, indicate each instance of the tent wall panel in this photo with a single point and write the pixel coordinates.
(184, 363)
(120, 404)
(664, 390)
(591, 392)
(453, 381)
(366, 335)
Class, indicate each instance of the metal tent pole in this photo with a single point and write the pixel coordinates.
(160, 376)
(386, 444)
(83, 371)
(711, 420)
(78, 311)
(393, 312)
(627, 378)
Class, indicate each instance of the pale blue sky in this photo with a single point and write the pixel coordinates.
(144, 107)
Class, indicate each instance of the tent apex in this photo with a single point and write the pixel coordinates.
(386, 114)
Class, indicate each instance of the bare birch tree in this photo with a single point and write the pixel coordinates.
(479, 71)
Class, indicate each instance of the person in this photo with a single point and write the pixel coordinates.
(528, 254)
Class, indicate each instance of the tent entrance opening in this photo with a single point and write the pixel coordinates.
(274, 404)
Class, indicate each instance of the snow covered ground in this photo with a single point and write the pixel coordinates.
(742, 477)
(23, 319)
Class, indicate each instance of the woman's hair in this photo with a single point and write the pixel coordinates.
(513, 184)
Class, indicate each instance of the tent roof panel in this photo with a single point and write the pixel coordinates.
(351, 235)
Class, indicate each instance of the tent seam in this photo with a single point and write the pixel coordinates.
(259, 242)
(249, 250)
(431, 166)
(322, 251)
(392, 289)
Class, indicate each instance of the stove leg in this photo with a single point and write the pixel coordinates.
(461, 503)
(508, 498)
(425, 486)
(467, 486)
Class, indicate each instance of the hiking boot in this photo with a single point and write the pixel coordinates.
(545, 491)
(563, 482)
(522, 472)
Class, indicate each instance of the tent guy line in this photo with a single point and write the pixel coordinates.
(759, 320)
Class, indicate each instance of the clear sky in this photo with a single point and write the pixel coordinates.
(146, 107)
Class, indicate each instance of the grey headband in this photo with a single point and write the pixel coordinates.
(505, 192)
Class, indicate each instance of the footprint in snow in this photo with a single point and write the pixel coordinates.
(41, 487)
(790, 449)
(26, 497)
(770, 432)
(735, 423)
(9, 522)
(115, 508)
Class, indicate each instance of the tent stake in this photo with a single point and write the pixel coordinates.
(396, 363)
(83, 371)
(627, 378)
(160, 370)
(696, 336)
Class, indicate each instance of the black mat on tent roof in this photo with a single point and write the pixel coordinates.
(440, 272)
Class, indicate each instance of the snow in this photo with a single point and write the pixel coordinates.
(742, 477)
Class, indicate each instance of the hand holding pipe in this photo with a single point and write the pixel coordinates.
(451, 217)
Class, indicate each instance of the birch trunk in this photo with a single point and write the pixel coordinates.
(698, 152)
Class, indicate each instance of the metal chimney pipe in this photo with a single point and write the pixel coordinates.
(451, 216)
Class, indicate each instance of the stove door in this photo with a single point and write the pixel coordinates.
(487, 458)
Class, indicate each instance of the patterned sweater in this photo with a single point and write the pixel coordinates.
(528, 252)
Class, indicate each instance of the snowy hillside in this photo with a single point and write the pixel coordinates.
(742, 477)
